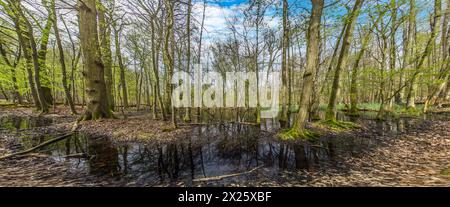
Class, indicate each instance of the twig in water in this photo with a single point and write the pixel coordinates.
(214, 178)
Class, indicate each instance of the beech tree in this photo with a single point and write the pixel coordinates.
(298, 129)
(97, 104)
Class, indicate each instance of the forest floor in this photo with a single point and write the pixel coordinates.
(417, 157)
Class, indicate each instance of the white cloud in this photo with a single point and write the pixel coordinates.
(215, 18)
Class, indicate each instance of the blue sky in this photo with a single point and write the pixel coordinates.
(219, 13)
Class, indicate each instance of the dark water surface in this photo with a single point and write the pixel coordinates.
(210, 150)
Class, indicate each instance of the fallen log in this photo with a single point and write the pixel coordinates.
(46, 143)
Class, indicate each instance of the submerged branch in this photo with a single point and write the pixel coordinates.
(215, 178)
(57, 139)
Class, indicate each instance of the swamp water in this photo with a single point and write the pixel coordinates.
(208, 151)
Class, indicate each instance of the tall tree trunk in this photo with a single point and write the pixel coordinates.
(333, 59)
(382, 87)
(123, 82)
(105, 44)
(187, 116)
(444, 65)
(342, 60)
(14, 9)
(400, 99)
(97, 106)
(259, 19)
(62, 60)
(355, 70)
(445, 57)
(155, 66)
(199, 114)
(43, 47)
(13, 66)
(311, 64)
(73, 63)
(284, 68)
(40, 57)
(429, 46)
(410, 61)
(169, 53)
(392, 41)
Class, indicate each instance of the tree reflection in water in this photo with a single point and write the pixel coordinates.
(209, 150)
(103, 156)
